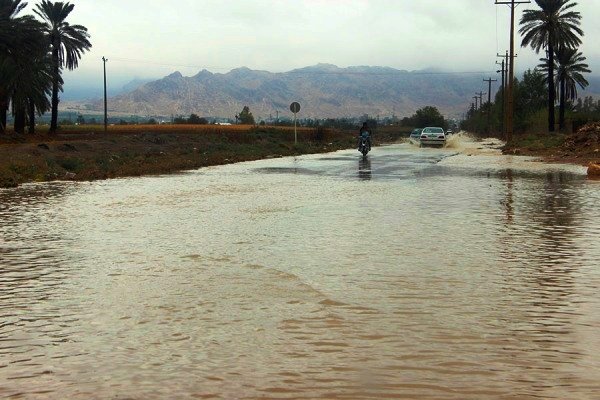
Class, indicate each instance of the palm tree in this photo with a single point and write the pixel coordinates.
(570, 68)
(28, 82)
(35, 87)
(554, 25)
(9, 34)
(67, 45)
(19, 38)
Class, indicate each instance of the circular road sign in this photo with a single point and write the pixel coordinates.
(295, 107)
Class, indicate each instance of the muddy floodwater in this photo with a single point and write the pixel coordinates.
(413, 274)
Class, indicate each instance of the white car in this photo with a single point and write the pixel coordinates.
(416, 135)
(433, 136)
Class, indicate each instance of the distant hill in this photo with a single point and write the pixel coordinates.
(323, 90)
(134, 84)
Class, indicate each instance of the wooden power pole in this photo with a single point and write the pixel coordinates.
(480, 96)
(503, 72)
(511, 67)
(104, 60)
(489, 110)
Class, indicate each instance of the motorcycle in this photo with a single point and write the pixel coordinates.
(363, 144)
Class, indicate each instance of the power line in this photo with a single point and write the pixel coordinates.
(391, 73)
(150, 62)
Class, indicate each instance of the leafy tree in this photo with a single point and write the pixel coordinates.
(67, 44)
(553, 26)
(428, 116)
(531, 94)
(586, 110)
(196, 120)
(246, 117)
(372, 122)
(588, 105)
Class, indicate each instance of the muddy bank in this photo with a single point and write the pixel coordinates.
(581, 147)
(134, 151)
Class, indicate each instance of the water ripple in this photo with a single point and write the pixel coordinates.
(314, 277)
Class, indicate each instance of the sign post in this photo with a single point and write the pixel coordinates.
(295, 108)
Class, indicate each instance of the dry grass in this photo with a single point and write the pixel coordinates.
(87, 153)
(164, 128)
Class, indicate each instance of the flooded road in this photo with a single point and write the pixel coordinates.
(416, 274)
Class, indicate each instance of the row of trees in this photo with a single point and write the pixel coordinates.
(588, 108)
(554, 28)
(194, 119)
(33, 55)
(530, 96)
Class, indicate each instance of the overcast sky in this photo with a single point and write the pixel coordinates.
(152, 38)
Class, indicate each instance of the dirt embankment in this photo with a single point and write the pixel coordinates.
(86, 155)
(581, 147)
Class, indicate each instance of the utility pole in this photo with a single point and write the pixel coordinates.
(480, 96)
(506, 62)
(476, 98)
(504, 93)
(489, 111)
(502, 121)
(511, 67)
(104, 60)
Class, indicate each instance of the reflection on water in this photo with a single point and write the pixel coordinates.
(364, 169)
(258, 280)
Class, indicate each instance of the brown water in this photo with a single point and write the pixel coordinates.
(409, 275)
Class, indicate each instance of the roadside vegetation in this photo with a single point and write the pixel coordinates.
(36, 49)
(87, 153)
(549, 89)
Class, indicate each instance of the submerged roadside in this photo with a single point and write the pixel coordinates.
(135, 151)
(581, 148)
(86, 154)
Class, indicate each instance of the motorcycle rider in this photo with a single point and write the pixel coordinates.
(365, 128)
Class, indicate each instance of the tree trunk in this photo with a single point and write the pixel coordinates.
(31, 112)
(56, 77)
(561, 118)
(20, 114)
(3, 112)
(2, 119)
(551, 87)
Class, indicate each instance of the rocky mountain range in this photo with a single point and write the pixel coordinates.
(323, 90)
